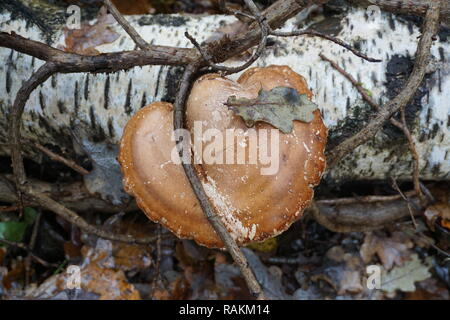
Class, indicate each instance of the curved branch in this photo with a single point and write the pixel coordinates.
(104, 62)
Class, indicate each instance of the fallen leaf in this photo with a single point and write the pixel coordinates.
(278, 107)
(85, 39)
(439, 210)
(392, 250)
(100, 278)
(429, 289)
(15, 230)
(404, 278)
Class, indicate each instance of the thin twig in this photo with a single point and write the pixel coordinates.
(9, 208)
(140, 42)
(430, 29)
(407, 200)
(40, 76)
(69, 215)
(197, 187)
(412, 147)
(259, 50)
(56, 157)
(31, 246)
(315, 33)
(157, 278)
(29, 251)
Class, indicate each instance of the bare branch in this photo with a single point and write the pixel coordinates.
(69, 215)
(56, 157)
(105, 62)
(29, 251)
(73, 196)
(141, 43)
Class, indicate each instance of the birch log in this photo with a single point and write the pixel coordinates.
(105, 102)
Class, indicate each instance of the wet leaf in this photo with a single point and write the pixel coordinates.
(404, 278)
(12, 230)
(278, 107)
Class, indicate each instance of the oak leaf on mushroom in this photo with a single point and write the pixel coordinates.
(253, 206)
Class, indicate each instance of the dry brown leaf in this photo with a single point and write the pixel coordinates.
(439, 210)
(109, 284)
(131, 257)
(344, 272)
(350, 282)
(178, 289)
(100, 278)
(392, 250)
(429, 289)
(84, 40)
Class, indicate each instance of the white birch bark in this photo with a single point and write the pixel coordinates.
(106, 101)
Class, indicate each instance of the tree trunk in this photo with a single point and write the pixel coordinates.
(105, 102)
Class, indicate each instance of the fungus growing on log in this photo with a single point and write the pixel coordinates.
(258, 179)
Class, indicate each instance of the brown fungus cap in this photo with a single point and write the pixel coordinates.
(252, 205)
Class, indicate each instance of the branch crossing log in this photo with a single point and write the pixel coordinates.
(105, 102)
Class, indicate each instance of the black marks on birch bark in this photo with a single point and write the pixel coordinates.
(144, 100)
(61, 107)
(86, 87)
(76, 102)
(41, 100)
(111, 128)
(127, 106)
(397, 73)
(106, 93)
(158, 79)
(163, 20)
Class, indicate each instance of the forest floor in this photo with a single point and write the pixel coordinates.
(407, 260)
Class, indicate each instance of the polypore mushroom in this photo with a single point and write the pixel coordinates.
(253, 206)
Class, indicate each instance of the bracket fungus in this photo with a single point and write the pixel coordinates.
(258, 179)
